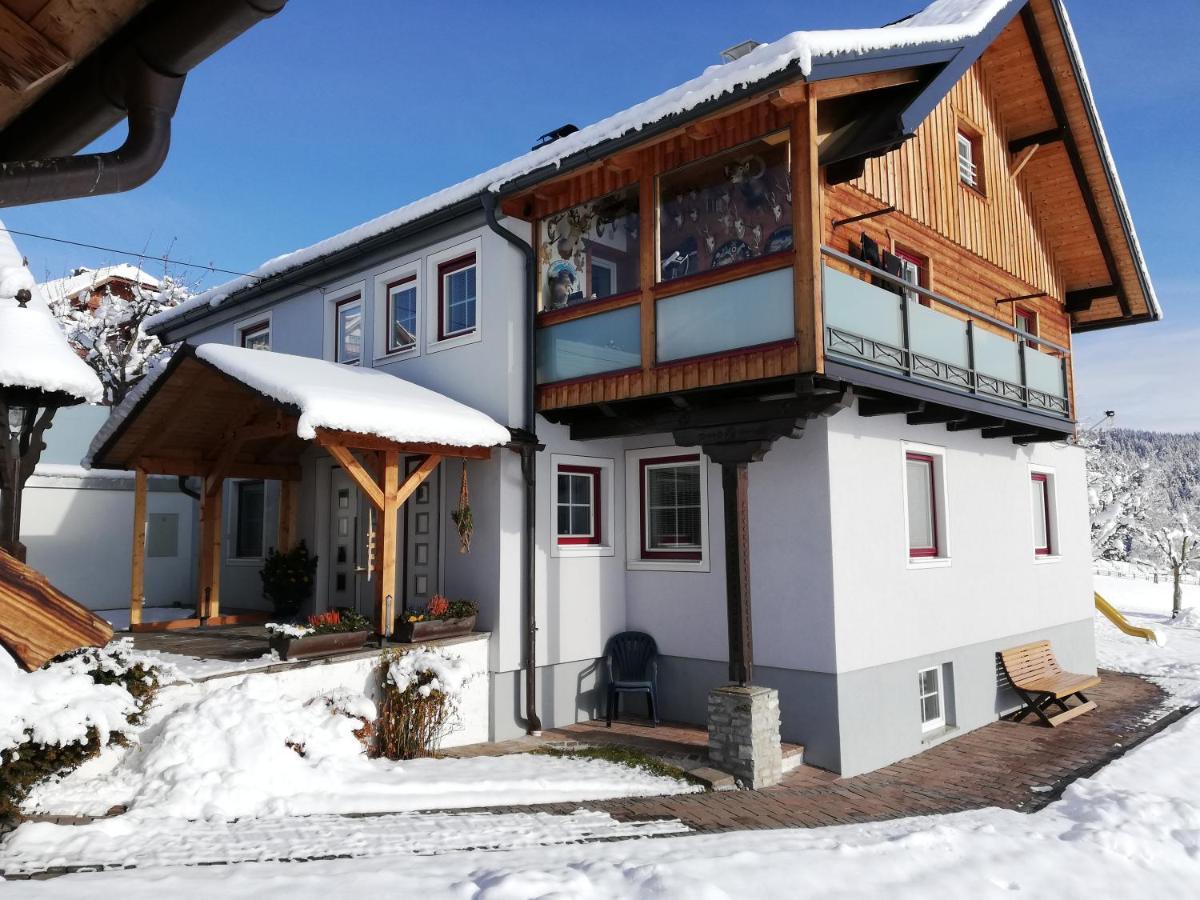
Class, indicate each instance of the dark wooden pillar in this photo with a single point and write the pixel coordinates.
(735, 480)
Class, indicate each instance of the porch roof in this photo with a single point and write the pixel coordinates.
(251, 414)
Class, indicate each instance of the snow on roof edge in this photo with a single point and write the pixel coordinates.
(942, 24)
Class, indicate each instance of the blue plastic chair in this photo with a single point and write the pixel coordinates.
(631, 658)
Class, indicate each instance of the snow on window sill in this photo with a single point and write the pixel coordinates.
(666, 565)
(567, 551)
(1047, 560)
(937, 735)
(929, 562)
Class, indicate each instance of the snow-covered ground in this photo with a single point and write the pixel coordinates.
(1131, 830)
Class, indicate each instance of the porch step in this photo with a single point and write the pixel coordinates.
(793, 756)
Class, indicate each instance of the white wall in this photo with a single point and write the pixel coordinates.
(81, 538)
(992, 584)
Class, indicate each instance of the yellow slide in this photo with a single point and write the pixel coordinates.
(1121, 622)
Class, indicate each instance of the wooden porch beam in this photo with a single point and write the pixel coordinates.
(208, 603)
(1051, 136)
(1081, 300)
(1022, 161)
(168, 465)
(137, 579)
(354, 441)
(385, 608)
(356, 471)
(414, 480)
(869, 407)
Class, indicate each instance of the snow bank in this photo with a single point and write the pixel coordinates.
(59, 703)
(945, 23)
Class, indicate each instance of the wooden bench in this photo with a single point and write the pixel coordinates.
(1039, 679)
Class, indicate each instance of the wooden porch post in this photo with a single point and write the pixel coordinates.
(137, 581)
(208, 603)
(385, 605)
(807, 224)
(289, 514)
(735, 483)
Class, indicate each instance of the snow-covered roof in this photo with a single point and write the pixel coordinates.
(331, 396)
(89, 279)
(943, 24)
(34, 352)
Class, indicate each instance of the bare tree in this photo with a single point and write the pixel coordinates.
(1178, 547)
(110, 334)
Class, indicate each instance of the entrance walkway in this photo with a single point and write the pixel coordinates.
(1016, 766)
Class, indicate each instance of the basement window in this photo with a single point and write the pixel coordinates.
(929, 688)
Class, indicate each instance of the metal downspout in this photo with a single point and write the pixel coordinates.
(528, 449)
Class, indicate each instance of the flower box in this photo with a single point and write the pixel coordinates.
(433, 629)
(317, 644)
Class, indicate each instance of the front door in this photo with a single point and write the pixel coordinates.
(347, 537)
(422, 525)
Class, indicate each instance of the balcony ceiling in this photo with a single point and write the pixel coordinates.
(42, 40)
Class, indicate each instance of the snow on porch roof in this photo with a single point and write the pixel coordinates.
(327, 395)
(942, 25)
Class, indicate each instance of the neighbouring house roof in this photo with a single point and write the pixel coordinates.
(320, 394)
(93, 279)
(952, 33)
(34, 352)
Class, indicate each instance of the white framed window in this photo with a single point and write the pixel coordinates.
(932, 698)
(667, 509)
(249, 520)
(255, 334)
(345, 324)
(581, 500)
(455, 296)
(925, 507)
(397, 311)
(1043, 514)
(969, 147)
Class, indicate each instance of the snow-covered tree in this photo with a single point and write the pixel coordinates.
(1177, 546)
(108, 330)
(1119, 493)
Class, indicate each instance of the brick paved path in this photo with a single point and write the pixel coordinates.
(997, 765)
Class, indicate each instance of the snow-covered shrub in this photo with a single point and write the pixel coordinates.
(421, 689)
(57, 717)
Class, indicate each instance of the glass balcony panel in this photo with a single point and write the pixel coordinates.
(743, 313)
(996, 356)
(1044, 372)
(937, 335)
(857, 307)
(607, 342)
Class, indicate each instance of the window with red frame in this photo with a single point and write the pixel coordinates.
(457, 297)
(1027, 321)
(256, 337)
(914, 269)
(1040, 490)
(921, 485)
(671, 512)
(578, 505)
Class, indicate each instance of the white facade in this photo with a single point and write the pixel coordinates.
(844, 618)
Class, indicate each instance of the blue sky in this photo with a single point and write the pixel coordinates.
(333, 113)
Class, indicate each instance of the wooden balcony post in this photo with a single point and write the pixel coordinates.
(806, 228)
(137, 580)
(648, 231)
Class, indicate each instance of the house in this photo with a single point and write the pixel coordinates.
(792, 339)
(84, 288)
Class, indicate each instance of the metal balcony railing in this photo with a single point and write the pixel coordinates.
(882, 323)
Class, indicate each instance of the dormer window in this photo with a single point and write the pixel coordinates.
(970, 158)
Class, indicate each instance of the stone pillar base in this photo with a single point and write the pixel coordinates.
(743, 734)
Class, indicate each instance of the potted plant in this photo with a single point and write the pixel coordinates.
(442, 618)
(339, 629)
(287, 579)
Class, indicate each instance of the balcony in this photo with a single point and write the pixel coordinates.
(888, 325)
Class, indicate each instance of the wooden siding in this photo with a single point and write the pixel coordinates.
(921, 180)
